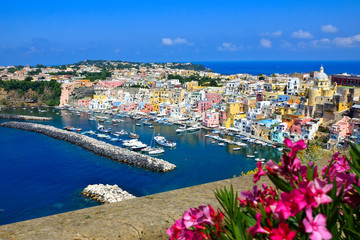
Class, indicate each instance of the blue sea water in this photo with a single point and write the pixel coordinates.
(270, 67)
(41, 176)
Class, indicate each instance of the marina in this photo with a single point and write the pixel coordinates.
(51, 174)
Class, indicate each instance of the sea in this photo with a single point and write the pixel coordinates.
(41, 176)
(283, 67)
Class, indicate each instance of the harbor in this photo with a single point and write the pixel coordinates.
(51, 174)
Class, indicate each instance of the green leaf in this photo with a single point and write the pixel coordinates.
(280, 183)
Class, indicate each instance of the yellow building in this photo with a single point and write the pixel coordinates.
(322, 88)
(269, 96)
(159, 96)
(191, 85)
(99, 97)
(234, 111)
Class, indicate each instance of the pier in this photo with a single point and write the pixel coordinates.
(98, 147)
(24, 117)
(106, 193)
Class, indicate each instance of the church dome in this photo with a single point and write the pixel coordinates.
(321, 75)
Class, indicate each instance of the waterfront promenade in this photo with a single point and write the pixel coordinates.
(98, 147)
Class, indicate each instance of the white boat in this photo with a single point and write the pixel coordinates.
(236, 149)
(156, 151)
(193, 128)
(181, 129)
(250, 156)
(139, 147)
(260, 159)
(221, 144)
(163, 142)
(131, 143)
(241, 144)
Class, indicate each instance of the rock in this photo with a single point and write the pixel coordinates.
(107, 193)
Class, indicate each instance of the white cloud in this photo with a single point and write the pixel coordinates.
(117, 50)
(266, 43)
(226, 46)
(347, 41)
(302, 34)
(174, 41)
(321, 43)
(286, 45)
(272, 34)
(329, 29)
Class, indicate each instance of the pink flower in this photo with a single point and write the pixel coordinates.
(295, 147)
(316, 192)
(179, 232)
(257, 227)
(290, 204)
(259, 173)
(282, 233)
(197, 216)
(317, 226)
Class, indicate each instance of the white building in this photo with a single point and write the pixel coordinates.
(292, 87)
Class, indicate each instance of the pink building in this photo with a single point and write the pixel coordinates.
(147, 108)
(203, 106)
(109, 84)
(211, 119)
(66, 90)
(340, 129)
(84, 102)
(128, 107)
(296, 127)
(213, 97)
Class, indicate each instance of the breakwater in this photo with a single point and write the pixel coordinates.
(98, 147)
(106, 193)
(24, 117)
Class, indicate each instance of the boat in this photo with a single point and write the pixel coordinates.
(163, 142)
(280, 149)
(181, 129)
(104, 136)
(133, 135)
(113, 139)
(221, 144)
(102, 129)
(260, 159)
(193, 128)
(138, 124)
(250, 156)
(92, 119)
(131, 143)
(236, 149)
(156, 151)
(139, 146)
(122, 132)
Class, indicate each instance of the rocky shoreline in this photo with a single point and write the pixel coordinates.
(106, 193)
(24, 117)
(98, 147)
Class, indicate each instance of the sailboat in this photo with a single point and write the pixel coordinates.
(133, 134)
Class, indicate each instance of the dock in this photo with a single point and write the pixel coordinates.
(96, 146)
(24, 117)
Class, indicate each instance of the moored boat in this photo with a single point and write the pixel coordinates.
(163, 142)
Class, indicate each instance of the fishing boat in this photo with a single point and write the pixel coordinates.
(163, 142)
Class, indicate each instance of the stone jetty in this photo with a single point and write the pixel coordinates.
(24, 117)
(98, 147)
(106, 193)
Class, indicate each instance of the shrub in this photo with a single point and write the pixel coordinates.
(304, 204)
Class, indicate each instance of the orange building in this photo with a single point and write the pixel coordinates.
(289, 119)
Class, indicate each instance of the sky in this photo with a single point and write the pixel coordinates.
(64, 32)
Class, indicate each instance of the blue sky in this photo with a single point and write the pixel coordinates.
(61, 32)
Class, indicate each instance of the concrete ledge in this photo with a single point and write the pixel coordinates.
(141, 218)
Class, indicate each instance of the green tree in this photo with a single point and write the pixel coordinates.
(28, 79)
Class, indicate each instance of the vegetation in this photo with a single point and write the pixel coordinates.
(92, 76)
(50, 91)
(201, 80)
